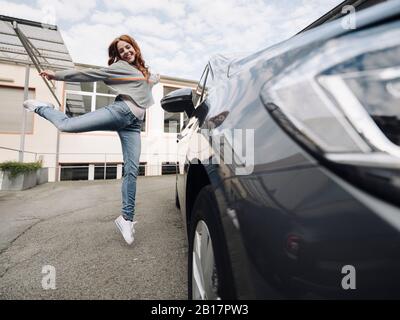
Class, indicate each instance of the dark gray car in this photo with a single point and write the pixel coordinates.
(289, 166)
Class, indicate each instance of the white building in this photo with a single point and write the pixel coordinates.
(78, 155)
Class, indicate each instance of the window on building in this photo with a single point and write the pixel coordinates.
(168, 90)
(101, 88)
(142, 169)
(76, 104)
(111, 171)
(80, 86)
(11, 110)
(85, 97)
(169, 168)
(172, 121)
(102, 101)
(74, 171)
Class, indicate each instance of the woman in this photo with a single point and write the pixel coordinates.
(128, 76)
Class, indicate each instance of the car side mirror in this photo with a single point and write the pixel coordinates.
(180, 100)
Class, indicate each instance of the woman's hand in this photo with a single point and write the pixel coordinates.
(154, 78)
(48, 74)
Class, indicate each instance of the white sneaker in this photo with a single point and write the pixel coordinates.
(32, 105)
(127, 228)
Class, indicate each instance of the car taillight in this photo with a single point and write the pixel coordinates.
(342, 102)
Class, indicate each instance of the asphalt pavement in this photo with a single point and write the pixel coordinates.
(62, 235)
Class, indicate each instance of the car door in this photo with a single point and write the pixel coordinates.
(183, 138)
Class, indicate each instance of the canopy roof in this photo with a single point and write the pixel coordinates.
(51, 49)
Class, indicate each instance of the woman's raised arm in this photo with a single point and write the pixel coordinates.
(48, 74)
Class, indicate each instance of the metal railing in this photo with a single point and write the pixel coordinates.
(108, 160)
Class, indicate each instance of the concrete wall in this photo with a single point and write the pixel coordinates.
(44, 136)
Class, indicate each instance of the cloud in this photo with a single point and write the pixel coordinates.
(179, 63)
(88, 43)
(177, 37)
(109, 18)
(49, 11)
(152, 25)
(169, 8)
(20, 10)
(68, 10)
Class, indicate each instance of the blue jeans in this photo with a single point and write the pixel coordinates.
(115, 117)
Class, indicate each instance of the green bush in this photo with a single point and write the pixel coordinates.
(15, 168)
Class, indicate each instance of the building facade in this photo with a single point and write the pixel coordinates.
(81, 156)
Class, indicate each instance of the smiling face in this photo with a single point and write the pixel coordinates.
(126, 51)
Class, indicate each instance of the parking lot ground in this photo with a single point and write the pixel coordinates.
(70, 225)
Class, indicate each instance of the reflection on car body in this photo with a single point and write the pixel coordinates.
(323, 195)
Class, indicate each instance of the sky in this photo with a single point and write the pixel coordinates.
(176, 37)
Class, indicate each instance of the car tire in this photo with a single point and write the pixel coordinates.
(177, 204)
(206, 225)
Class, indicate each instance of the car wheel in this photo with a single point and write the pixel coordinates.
(209, 272)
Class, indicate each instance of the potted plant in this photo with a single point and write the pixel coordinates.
(18, 175)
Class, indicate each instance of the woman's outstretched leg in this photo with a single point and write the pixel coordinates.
(111, 117)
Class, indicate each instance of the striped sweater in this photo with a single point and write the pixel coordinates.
(123, 78)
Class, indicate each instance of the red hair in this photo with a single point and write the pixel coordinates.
(114, 56)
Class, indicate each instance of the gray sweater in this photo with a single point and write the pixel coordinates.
(123, 78)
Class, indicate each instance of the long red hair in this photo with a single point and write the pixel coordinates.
(114, 56)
